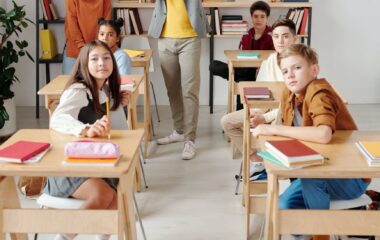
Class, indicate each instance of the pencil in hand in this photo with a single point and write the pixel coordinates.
(108, 115)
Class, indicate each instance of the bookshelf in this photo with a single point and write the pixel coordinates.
(57, 59)
(211, 6)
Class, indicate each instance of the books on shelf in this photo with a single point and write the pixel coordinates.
(293, 153)
(248, 55)
(136, 22)
(371, 152)
(132, 21)
(300, 17)
(23, 151)
(217, 22)
(48, 44)
(256, 93)
(126, 82)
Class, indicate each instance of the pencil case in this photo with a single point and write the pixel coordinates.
(91, 149)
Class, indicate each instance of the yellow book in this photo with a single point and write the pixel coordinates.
(372, 148)
(48, 44)
(134, 53)
(101, 162)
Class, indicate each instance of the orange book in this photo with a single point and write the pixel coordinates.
(101, 162)
(256, 92)
(22, 151)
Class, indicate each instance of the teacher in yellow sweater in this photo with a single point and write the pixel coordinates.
(179, 25)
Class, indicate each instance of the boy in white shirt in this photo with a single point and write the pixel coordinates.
(283, 35)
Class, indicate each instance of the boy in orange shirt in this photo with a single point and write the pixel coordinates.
(311, 110)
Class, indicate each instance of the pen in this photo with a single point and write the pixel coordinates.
(108, 115)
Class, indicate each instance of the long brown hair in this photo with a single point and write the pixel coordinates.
(81, 74)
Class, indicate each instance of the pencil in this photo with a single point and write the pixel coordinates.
(108, 115)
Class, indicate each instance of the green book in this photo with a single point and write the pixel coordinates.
(248, 55)
(267, 156)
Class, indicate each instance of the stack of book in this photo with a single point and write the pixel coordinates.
(254, 93)
(24, 152)
(132, 21)
(234, 24)
(91, 153)
(291, 154)
(370, 151)
(300, 16)
(126, 82)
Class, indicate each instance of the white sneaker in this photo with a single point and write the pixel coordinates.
(188, 150)
(174, 137)
(255, 168)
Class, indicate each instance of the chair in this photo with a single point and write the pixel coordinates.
(48, 201)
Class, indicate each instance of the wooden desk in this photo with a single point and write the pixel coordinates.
(144, 62)
(53, 91)
(345, 161)
(253, 204)
(121, 221)
(234, 62)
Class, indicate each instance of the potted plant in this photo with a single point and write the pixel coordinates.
(11, 24)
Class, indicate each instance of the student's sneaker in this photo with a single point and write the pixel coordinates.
(256, 167)
(258, 176)
(173, 137)
(188, 150)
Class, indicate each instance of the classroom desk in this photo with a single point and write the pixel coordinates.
(234, 62)
(144, 62)
(53, 91)
(345, 161)
(18, 221)
(255, 204)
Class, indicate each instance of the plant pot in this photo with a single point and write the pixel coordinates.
(10, 125)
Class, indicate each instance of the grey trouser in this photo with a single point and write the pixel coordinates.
(180, 60)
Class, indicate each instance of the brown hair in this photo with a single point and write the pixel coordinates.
(301, 50)
(81, 74)
(285, 23)
(260, 5)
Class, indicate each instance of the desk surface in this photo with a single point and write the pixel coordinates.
(57, 85)
(140, 61)
(232, 57)
(345, 160)
(51, 163)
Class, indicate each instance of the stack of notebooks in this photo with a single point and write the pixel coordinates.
(370, 151)
(248, 55)
(24, 152)
(234, 24)
(256, 93)
(291, 154)
(91, 153)
(127, 82)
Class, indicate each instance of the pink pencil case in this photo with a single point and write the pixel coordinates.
(92, 149)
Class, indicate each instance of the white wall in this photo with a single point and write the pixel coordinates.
(343, 32)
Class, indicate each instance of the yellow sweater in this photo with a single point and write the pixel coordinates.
(177, 24)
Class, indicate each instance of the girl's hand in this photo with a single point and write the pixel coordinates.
(100, 128)
(125, 95)
(264, 129)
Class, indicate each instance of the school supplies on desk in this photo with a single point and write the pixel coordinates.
(126, 82)
(371, 152)
(256, 93)
(248, 55)
(22, 151)
(91, 153)
(293, 153)
(134, 53)
(270, 157)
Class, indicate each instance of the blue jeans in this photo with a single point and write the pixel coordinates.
(67, 64)
(315, 193)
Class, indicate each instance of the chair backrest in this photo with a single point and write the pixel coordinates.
(49, 201)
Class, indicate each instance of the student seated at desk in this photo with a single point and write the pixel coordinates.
(109, 32)
(81, 112)
(258, 38)
(311, 110)
(284, 34)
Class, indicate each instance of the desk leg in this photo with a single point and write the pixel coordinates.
(231, 82)
(269, 208)
(147, 114)
(276, 209)
(127, 224)
(9, 199)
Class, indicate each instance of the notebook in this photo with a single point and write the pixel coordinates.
(94, 162)
(134, 53)
(256, 92)
(22, 151)
(248, 55)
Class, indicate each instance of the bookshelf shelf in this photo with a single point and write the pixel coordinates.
(58, 21)
(215, 4)
(57, 59)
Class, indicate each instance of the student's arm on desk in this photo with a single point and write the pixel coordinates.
(318, 134)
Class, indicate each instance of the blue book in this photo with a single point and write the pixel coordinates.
(248, 55)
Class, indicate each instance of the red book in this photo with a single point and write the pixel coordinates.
(22, 150)
(126, 82)
(292, 151)
(47, 9)
(304, 21)
(256, 93)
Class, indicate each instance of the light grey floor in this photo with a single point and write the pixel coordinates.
(194, 199)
